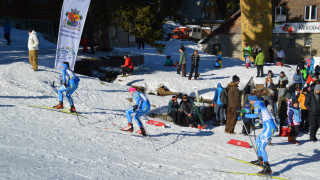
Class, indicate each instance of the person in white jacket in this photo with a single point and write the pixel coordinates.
(33, 43)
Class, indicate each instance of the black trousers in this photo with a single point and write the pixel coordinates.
(126, 70)
(304, 124)
(186, 121)
(175, 116)
(7, 37)
(195, 67)
(282, 122)
(314, 121)
(260, 70)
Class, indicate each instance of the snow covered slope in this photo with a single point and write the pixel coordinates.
(42, 144)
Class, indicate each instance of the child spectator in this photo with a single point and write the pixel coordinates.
(282, 110)
(246, 121)
(304, 125)
(218, 105)
(270, 72)
(294, 117)
(168, 62)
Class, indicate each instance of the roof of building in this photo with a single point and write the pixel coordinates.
(227, 27)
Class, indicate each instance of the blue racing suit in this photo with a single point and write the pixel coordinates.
(70, 84)
(269, 127)
(143, 107)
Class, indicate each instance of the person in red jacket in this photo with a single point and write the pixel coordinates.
(127, 67)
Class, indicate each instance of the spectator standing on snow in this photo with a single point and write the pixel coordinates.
(246, 53)
(233, 104)
(282, 84)
(195, 58)
(298, 79)
(218, 105)
(304, 125)
(280, 56)
(7, 31)
(282, 111)
(141, 42)
(127, 67)
(313, 104)
(173, 110)
(33, 43)
(182, 62)
(310, 65)
(271, 53)
(294, 116)
(259, 63)
(255, 51)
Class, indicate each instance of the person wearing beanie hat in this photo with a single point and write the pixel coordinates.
(235, 78)
(313, 105)
(140, 107)
(233, 104)
(269, 127)
(173, 110)
(304, 125)
(70, 84)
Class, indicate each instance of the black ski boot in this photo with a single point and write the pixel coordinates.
(258, 162)
(59, 106)
(72, 109)
(142, 132)
(266, 169)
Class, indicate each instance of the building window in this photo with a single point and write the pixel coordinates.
(308, 42)
(310, 13)
(281, 14)
(292, 43)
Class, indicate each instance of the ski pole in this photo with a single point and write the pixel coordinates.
(150, 138)
(255, 148)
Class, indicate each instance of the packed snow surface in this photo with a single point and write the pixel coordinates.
(43, 144)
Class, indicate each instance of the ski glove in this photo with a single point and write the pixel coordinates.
(134, 108)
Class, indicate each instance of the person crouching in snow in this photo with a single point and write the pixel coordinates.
(269, 128)
(294, 117)
(142, 106)
(70, 84)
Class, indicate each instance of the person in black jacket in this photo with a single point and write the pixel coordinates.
(188, 118)
(195, 58)
(313, 105)
(173, 110)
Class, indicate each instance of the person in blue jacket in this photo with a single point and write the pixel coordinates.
(70, 84)
(297, 78)
(218, 105)
(142, 106)
(269, 127)
(7, 31)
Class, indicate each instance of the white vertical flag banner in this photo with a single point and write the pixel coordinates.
(73, 17)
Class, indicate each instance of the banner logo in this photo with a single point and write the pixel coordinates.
(73, 19)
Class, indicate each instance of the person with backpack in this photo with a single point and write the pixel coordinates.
(218, 105)
(233, 104)
(141, 106)
(70, 84)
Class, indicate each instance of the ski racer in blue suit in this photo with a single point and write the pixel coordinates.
(70, 84)
(142, 106)
(269, 127)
